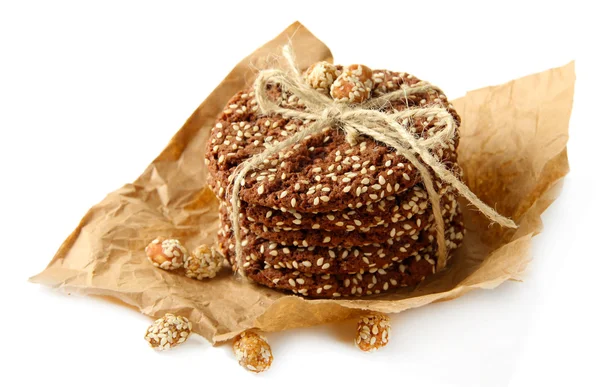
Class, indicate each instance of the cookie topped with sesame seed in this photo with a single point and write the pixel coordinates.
(331, 282)
(328, 259)
(390, 210)
(353, 234)
(323, 172)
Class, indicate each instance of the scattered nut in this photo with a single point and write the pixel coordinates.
(168, 332)
(204, 262)
(372, 332)
(320, 76)
(252, 351)
(168, 254)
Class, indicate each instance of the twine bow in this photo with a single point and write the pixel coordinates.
(365, 119)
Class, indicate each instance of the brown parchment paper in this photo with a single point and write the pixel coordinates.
(513, 152)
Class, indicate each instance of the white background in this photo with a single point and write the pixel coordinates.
(90, 94)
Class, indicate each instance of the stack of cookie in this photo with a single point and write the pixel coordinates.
(326, 217)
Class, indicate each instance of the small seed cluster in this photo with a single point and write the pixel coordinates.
(205, 262)
(354, 85)
(168, 332)
(252, 351)
(320, 76)
(372, 332)
(169, 254)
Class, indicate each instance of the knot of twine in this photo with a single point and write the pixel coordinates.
(365, 119)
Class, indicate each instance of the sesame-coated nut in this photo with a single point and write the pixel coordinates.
(320, 76)
(168, 332)
(252, 351)
(204, 262)
(349, 90)
(354, 85)
(362, 73)
(372, 332)
(168, 254)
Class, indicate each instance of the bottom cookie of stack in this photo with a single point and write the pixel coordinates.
(329, 272)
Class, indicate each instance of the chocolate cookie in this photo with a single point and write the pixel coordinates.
(338, 259)
(392, 209)
(349, 176)
(355, 234)
(379, 234)
(409, 272)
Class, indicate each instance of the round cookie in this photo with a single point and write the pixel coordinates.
(350, 176)
(409, 272)
(355, 234)
(337, 259)
(400, 232)
(392, 209)
(323, 260)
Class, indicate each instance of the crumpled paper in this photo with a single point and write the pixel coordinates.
(512, 151)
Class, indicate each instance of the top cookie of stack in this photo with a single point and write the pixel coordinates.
(325, 191)
(323, 173)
